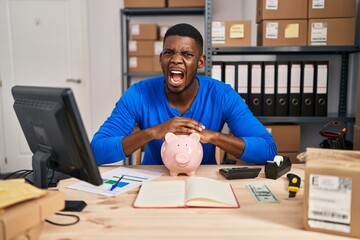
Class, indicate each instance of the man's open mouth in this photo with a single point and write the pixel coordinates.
(176, 77)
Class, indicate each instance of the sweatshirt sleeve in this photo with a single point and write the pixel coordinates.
(107, 141)
(259, 143)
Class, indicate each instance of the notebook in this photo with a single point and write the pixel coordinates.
(193, 192)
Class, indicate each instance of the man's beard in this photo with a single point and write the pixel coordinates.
(181, 91)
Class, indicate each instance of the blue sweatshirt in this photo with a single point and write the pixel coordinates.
(215, 104)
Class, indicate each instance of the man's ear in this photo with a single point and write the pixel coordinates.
(201, 61)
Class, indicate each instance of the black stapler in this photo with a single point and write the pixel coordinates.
(277, 167)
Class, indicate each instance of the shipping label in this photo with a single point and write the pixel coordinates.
(330, 202)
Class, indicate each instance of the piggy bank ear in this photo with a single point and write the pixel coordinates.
(169, 137)
(195, 137)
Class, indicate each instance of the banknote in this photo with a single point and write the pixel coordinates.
(262, 193)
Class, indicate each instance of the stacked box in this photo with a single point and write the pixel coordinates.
(331, 32)
(144, 4)
(282, 33)
(186, 3)
(141, 46)
(357, 116)
(287, 138)
(282, 23)
(281, 9)
(158, 47)
(331, 196)
(231, 33)
(24, 220)
(331, 23)
(331, 9)
(144, 31)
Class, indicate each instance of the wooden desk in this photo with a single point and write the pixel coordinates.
(115, 218)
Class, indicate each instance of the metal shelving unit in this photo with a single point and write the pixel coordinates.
(207, 11)
(343, 51)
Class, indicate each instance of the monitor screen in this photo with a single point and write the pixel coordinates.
(53, 128)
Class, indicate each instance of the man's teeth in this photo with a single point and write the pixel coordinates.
(176, 72)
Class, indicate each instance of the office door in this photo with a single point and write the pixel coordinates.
(42, 43)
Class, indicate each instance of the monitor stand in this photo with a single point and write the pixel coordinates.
(44, 176)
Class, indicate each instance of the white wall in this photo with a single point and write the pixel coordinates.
(104, 38)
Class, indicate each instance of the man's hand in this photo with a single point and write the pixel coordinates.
(177, 125)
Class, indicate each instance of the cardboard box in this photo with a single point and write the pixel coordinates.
(356, 145)
(141, 48)
(357, 110)
(331, 32)
(332, 9)
(186, 3)
(282, 33)
(162, 31)
(144, 3)
(331, 193)
(287, 137)
(231, 33)
(281, 9)
(25, 219)
(141, 64)
(291, 155)
(144, 31)
(157, 47)
(156, 64)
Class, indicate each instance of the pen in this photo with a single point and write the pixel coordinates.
(115, 184)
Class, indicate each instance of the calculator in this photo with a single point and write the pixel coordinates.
(239, 172)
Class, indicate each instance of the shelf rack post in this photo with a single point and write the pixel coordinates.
(208, 46)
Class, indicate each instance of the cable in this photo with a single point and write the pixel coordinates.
(19, 171)
(77, 219)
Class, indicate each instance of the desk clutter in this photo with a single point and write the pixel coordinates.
(326, 200)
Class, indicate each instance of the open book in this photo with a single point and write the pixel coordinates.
(193, 192)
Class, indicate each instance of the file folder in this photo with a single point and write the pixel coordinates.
(230, 74)
(321, 89)
(255, 97)
(307, 103)
(268, 103)
(243, 80)
(294, 93)
(217, 71)
(282, 89)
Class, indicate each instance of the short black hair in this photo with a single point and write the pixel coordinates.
(185, 30)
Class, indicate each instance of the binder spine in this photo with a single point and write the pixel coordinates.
(321, 88)
(242, 80)
(230, 74)
(295, 87)
(307, 104)
(282, 89)
(217, 71)
(255, 97)
(268, 89)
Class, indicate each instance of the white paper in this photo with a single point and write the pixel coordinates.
(272, 29)
(218, 33)
(134, 178)
(319, 33)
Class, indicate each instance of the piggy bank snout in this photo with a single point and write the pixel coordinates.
(182, 158)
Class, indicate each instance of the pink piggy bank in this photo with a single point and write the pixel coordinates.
(182, 153)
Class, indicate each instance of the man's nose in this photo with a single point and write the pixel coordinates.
(176, 58)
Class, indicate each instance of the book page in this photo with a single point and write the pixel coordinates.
(206, 192)
(161, 194)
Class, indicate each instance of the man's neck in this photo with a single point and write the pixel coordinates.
(183, 101)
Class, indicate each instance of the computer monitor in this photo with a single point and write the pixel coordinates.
(54, 130)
